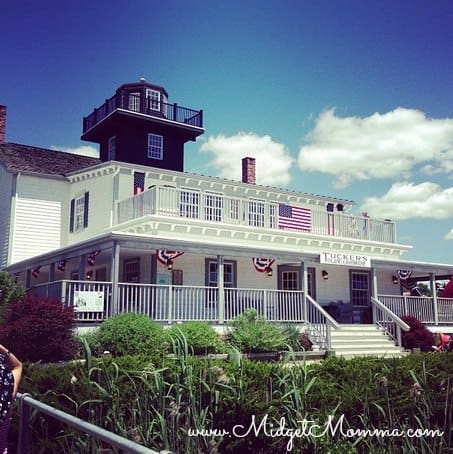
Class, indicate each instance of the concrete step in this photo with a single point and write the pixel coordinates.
(362, 340)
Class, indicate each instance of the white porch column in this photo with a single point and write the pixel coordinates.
(51, 272)
(114, 277)
(82, 267)
(374, 292)
(432, 285)
(221, 288)
(28, 279)
(305, 290)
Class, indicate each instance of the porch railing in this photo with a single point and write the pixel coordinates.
(178, 303)
(389, 321)
(426, 309)
(217, 208)
(144, 105)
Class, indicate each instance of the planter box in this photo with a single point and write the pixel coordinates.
(307, 356)
(264, 356)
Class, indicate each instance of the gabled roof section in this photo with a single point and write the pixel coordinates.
(27, 159)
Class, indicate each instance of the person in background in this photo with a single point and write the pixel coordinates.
(10, 375)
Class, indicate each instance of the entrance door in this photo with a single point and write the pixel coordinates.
(360, 292)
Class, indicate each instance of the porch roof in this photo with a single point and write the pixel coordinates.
(134, 241)
(415, 266)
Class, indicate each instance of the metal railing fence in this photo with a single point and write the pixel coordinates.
(27, 403)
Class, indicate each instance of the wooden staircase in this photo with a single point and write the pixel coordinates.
(363, 340)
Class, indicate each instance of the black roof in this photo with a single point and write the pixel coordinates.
(25, 158)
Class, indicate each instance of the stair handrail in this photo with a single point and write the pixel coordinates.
(389, 328)
(320, 309)
(325, 322)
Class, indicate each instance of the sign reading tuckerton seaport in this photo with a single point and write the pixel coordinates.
(338, 258)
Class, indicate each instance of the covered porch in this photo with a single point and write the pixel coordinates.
(122, 273)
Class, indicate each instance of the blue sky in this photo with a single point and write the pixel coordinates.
(352, 99)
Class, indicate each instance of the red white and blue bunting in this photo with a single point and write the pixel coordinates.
(35, 271)
(62, 264)
(165, 256)
(404, 274)
(92, 257)
(262, 265)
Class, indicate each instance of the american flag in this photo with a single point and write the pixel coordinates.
(139, 182)
(294, 218)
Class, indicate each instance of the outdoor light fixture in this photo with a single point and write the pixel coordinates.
(325, 275)
(89, 275)
(394, 279)
(169, 264)
(270, 271)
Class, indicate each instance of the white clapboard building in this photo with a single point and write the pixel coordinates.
(132, 231)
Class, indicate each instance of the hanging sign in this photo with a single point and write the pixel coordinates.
(340, 258)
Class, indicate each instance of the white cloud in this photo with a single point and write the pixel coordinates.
(273, 161)
(449, 235)
(379, 146)
(408, 200)
(85, 150)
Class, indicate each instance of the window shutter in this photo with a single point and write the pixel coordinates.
(71, 216)
(85, 213)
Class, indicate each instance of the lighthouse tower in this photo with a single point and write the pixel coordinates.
(138, 125)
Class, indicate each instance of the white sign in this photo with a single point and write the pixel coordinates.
(340, 258)
(88, 301)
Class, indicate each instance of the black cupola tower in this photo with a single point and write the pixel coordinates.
(139, 126)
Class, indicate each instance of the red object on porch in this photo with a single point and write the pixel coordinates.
(447, 292)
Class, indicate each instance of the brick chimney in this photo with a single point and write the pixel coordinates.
(2, 123)
(248, 170)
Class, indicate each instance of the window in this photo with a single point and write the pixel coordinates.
(79, 213)
(131, 271)
(134, 102)
(213, 207)
(189, 204)
(155, 146)
(153, 99)
(256, 213)
(359, 282)
(111, 149)
(229, 273)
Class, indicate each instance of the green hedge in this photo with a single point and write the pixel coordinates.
(157, 404)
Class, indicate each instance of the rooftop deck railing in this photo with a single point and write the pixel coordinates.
(222, 209)
(144, 105)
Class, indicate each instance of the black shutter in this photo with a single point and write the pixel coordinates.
(85, 212)
(71, 216)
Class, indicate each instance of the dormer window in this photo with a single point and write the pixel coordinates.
(155, 146)
(153, 98)
(134, 102)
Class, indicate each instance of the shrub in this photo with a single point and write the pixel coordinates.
(9, 292)
(200, 336)
(418, 336)
(252, 333)
(129, 334)
(39, 329)
(296, 340)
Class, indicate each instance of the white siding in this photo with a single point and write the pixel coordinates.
(99, 207)
(37, 228)
(6, 180)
